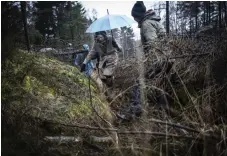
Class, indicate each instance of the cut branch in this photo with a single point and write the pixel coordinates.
(191, 55)
(81, 126)
(157, 134)
(63, 139)
(175, 125)
(75, 139)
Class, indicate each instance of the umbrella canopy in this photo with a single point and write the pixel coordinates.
(109, 22)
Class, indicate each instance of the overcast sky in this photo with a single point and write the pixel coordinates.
(115, 7)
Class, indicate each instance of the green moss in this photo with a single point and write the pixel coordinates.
(55, 90)
(27, 82)
(84, 108)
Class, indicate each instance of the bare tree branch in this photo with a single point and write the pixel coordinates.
(175, 125)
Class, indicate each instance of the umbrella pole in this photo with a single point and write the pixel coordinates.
(112, 34)
(111, 29)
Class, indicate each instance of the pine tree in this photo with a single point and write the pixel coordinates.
(45, 21)
(167, 17)
(61, 20)
(77, 22)
(24, 18)
(12, 27)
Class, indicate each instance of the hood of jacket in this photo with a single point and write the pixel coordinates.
(149, 15)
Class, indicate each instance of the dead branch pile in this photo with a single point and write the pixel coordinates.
(195, 88)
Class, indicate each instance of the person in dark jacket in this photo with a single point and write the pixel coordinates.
(151, 31)
(105, 50)
(149, 23)
(79, 58)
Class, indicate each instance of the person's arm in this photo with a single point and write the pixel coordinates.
(149, 32)
(81, 51)
(92, 54)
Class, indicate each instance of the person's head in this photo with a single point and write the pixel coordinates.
(100, 36)
(138, 11)
(86, 47)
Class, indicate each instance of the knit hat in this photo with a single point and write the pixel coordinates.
(86, 47)
(138, 9)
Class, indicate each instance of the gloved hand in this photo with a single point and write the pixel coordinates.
(82, 68)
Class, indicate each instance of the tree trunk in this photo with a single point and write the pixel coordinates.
(176, 19)
(225, 9)
(167, 17)
(71, 26)
(190, 26)
(204, 14)
(196, 15)
(207, 13)
(208, 7)
(219, 14)
(126, 44)
(24, 19)
(72, 33)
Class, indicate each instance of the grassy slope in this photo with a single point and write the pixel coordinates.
(47, 88)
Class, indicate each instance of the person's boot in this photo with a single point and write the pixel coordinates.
(131, 113)
(109, 81)
(109, 94)
(136, 110)
(164, 102)
(125, 115)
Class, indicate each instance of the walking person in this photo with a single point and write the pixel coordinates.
(105, 50)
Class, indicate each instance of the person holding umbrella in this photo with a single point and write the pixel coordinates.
(105, 50)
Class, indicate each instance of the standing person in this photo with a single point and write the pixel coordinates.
(105, 51)
(79, 58)
(151, 31)
(149, 23)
